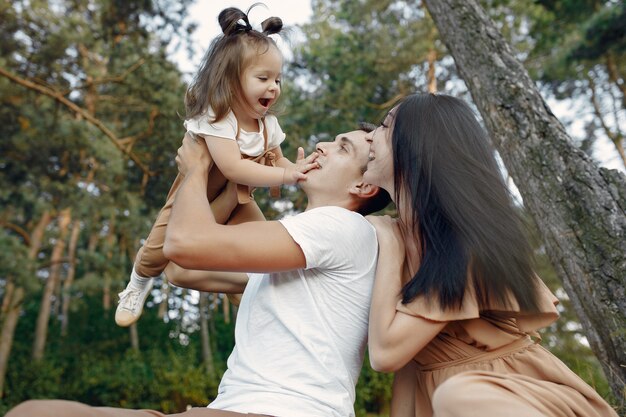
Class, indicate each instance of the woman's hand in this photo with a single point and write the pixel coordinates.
(389, 236)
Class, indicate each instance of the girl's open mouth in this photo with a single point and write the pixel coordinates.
(265, 102)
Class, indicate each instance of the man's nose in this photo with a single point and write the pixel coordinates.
(320, 148)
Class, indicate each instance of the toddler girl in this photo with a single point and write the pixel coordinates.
(227, 106)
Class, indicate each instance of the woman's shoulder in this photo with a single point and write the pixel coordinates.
(382, 222)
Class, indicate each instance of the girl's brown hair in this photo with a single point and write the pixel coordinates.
(217, 84)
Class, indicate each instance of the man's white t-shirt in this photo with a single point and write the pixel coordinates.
(300, 335)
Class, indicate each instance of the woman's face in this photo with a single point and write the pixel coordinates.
(380, 166)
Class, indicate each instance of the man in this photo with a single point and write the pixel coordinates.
(301, 330)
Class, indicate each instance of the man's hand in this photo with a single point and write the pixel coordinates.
(296, 172)
(193, 154)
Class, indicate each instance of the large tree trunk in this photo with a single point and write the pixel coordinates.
(41, 329)
(578, 207)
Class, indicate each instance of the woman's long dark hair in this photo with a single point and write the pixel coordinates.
(461, 208)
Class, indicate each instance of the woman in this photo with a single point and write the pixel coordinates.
(456, 304)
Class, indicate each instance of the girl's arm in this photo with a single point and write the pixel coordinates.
(227, 157)
(283, 162)
(403, 392)
(394, 337)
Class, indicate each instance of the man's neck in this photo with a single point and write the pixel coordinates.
(325, 202)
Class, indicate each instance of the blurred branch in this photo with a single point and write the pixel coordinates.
(17, 229)
(129, 141)
(615, 77)
(79, 111)
(615, 137)
(116, 79)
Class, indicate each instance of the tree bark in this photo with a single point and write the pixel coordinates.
(580, 209)
(41, 329)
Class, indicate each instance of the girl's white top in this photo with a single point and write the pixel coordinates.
(250, 143)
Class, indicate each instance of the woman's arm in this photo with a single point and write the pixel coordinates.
(394, 337)
(227, 157)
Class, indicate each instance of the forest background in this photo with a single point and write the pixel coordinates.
(90, 110)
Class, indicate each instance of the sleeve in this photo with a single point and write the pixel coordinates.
(201, 125)
(331, 236)
(275, 135)
(429, 308)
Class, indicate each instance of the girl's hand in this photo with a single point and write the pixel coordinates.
(297, 172)
(192, 154)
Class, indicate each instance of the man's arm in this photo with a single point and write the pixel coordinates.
(195, 241)
(207, 281)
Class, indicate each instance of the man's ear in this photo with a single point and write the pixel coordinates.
(364, 190)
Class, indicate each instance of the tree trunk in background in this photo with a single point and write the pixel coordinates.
(225, 308)
(41, 330)
(432, 79)
(14, 306)
(8, 332)
(211, 297)
(69, 280)
(8, 293)
(579, 208)
(165, 293)
(207, 353)
(134, 336)
(106, 286)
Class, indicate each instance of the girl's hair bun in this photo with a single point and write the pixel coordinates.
(272, 25)
(232, 20)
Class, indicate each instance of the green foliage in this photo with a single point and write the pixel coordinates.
(373, 391)
(94, 364)
(357, 59)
